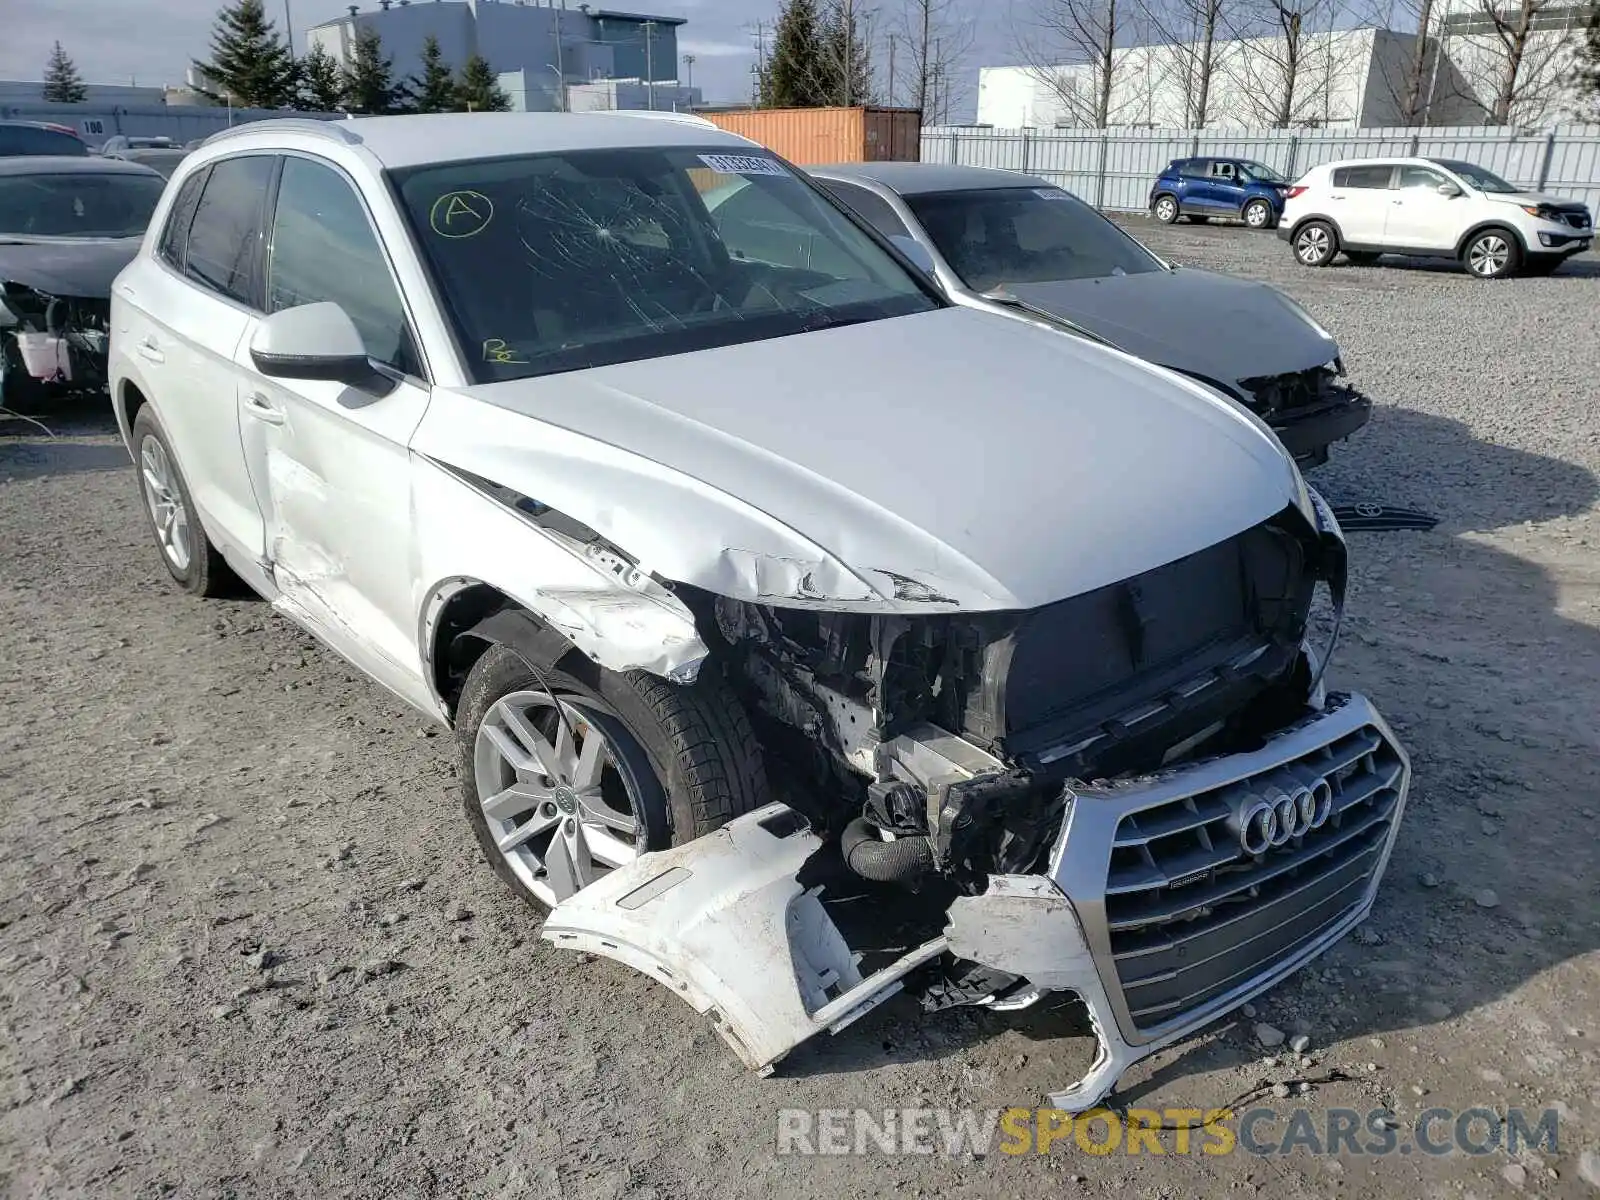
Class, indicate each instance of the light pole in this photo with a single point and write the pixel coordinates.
(649, 64)
(688, 71)
(561, 87)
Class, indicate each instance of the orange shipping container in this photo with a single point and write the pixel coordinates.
(828, 135)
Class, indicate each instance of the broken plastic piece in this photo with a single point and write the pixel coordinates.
(723, 922)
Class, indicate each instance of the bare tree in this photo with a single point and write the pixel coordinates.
(1529, 55)
(937, 41)
(1061, 37)
(1285, 59)
(1189, 31)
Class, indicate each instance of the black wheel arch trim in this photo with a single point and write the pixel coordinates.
(1328, 221)
(1483, 227)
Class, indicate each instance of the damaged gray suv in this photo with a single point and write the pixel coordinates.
(755, 577)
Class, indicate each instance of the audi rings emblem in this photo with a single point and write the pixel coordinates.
(1277, 815)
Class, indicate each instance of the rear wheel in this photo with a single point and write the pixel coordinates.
(1492, 254)
(565, 785)
(1258, 214)
(186, 551)
(1315, 244)
(1166, 209)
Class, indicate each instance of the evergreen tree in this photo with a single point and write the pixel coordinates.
(846, 54)
(369, 85)
(249, 61)
(321, 84)
(435, 88)
(795, 75)
(62, 83)
(478, 90)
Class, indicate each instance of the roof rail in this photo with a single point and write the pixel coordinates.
(655, 114)
(338, 130)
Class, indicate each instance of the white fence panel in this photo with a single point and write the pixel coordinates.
(1115, 168)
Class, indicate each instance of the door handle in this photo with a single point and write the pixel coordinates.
(1397, 202)
(258, 407)
(149, 350)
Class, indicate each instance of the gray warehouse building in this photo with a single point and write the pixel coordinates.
(537, 49)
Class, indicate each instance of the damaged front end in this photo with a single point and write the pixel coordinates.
(1140, 795)
(51, 342)
(1308, 410)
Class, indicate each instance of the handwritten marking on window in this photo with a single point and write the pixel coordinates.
(461, 214)
(495, 350)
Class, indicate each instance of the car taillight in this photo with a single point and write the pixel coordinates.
(1294, 191)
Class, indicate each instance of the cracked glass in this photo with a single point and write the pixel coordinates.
(557, 262)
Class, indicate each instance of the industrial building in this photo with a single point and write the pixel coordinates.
(1348, 78)
(538, 50)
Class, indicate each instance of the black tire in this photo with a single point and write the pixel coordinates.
(1165, 209)
(204, 573)
(1315, 244)
(1261, 211)
(1492, 253)
(689, 750)
(1361, 258)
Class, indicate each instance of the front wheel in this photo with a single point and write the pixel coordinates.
(1166, 209)
(1492, 254)
(562, 786)
(1315, 244)
(1258, 214)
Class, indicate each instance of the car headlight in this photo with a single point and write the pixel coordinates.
(1327, 595)
(1543, 212)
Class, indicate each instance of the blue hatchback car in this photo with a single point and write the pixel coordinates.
(1236, 188)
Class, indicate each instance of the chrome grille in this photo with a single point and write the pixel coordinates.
(1190, 915)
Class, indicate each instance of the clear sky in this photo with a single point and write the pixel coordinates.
(151, 42)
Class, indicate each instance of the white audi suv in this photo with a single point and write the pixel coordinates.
(755, 576)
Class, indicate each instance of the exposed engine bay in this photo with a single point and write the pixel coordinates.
(50, 341)
(950, 739)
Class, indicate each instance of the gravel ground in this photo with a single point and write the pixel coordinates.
(249, 950)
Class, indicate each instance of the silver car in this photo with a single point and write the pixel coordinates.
(1004, 240)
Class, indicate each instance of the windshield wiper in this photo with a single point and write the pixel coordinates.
(1011, 300)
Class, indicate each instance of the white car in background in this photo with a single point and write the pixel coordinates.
(1431, 208)
(656, 507)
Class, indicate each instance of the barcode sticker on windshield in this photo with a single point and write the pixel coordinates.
(1051, 194)
(742, 164)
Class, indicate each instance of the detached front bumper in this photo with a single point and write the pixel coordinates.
(1308, 432)
(1168, 901)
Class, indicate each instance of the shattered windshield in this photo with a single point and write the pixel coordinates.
(997, 236)
(77, 205)
(556, 262)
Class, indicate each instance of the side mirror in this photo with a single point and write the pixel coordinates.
(915, 251)
(316, 341)
(1449, 190)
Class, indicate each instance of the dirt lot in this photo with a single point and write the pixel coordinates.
(249, 950)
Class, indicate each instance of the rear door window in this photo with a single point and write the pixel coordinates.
(1363, 177)
(224, 244)
(30, 139)
(175, 236)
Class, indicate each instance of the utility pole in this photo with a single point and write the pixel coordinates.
(649, 64)
(288, 25)
(892, 41)
(561, 62)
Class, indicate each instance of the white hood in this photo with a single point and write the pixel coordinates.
(954, 459)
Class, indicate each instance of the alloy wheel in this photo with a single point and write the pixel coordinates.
(1255, 216)
(1488, 256)
(555, 780)
(1313, 245)
(167, 510)
(1166, 209)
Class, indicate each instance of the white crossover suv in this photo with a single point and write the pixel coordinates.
(753, 575)
(1430, 207)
